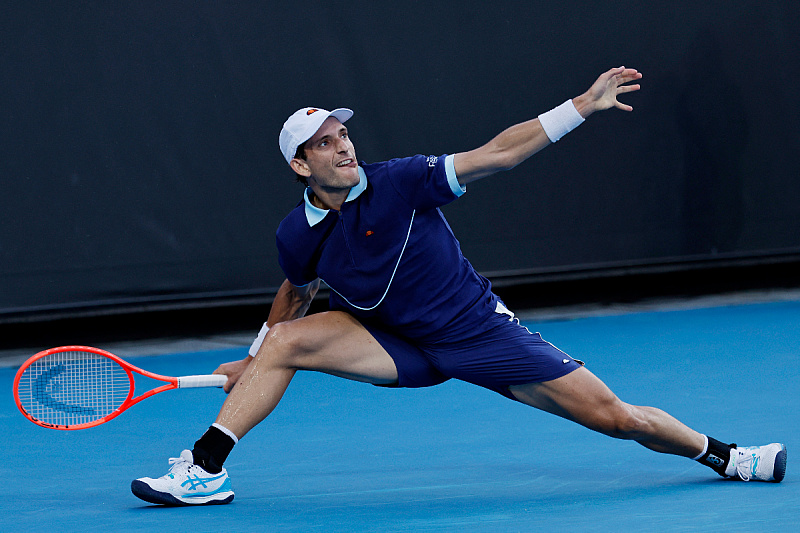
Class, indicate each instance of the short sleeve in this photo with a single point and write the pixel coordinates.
(425, 182)
(298, 263)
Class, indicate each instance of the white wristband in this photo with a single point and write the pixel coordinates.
(259, 340)
(561, 120)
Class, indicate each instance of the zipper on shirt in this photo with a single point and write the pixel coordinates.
(346, 240)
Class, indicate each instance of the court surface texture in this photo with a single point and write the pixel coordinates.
(344, 456)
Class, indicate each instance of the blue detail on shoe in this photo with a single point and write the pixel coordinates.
(225, 487)
(754, 464)
(196, 481)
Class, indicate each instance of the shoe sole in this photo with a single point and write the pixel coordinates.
(779, 471)
(143, 491)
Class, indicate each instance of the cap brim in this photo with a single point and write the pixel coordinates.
(342, 114)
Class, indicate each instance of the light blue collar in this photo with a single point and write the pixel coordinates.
(314, 214)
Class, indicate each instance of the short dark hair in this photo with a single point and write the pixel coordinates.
(301, 154)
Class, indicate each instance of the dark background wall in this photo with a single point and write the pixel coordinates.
(140, 167)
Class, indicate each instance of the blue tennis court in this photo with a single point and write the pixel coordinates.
(344, 456)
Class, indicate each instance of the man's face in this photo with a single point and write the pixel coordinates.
(331, 157)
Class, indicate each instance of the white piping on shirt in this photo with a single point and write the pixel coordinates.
(390, 279)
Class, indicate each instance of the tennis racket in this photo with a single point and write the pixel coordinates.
(78, 387)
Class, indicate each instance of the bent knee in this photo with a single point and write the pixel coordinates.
(283, 344)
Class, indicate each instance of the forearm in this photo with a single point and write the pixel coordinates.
(516, 144)
(291, 302)
(507, 150)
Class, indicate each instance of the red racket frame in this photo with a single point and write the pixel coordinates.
(171, 383)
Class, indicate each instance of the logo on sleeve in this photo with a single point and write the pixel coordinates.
(432, 161)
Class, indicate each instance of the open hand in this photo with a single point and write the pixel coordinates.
(604, 92)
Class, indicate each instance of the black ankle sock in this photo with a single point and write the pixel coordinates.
(717, 456)
(212, 449)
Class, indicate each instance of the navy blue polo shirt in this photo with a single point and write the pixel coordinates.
(388, 254)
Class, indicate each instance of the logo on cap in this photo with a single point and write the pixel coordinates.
(311, 111)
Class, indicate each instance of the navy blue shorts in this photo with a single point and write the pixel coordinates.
(499, 354)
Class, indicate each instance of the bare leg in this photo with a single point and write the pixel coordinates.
(333, 342)
(581, 397)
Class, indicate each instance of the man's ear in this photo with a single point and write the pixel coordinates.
(300, 167)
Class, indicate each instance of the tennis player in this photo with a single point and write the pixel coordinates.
(408, 310)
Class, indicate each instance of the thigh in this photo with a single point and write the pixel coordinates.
(334, 343)
(579, 396)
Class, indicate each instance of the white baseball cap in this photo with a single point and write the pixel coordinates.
(303, 124)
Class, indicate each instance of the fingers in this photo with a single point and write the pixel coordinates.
(226, 370)
(610, 75)
(619, 105)
(628, 88)
(624, 79)
(231, 381)
(622, 76)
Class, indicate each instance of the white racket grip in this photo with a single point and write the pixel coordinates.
(210, 380)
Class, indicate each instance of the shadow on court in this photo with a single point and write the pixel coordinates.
(343, 456)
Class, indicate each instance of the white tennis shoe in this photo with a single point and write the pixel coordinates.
(184, 484)
(758, 463)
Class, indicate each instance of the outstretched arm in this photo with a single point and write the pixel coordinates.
(519, 142)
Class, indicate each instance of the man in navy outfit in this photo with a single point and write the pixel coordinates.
(408, 310)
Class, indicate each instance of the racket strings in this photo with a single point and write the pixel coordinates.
(72, 388)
